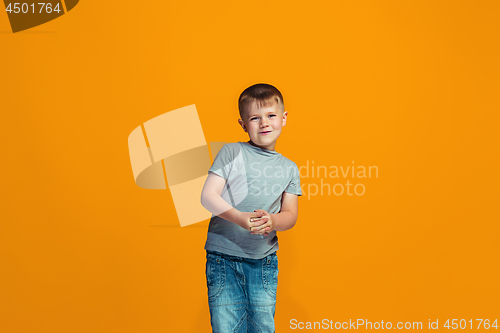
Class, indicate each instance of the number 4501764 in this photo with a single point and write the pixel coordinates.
(463, 324)
(32, 8)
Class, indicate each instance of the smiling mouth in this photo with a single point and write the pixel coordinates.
(266, 132)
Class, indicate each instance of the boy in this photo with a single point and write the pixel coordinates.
(252, 190)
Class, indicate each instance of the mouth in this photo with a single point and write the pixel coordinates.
(265, 132)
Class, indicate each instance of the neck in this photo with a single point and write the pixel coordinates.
(267, 148)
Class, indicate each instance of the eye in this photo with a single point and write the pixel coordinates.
(272, 115)
(254, 118)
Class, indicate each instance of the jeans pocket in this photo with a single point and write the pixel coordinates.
(270, 274)
(216, 275)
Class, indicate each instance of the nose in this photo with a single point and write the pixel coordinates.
(263, 123)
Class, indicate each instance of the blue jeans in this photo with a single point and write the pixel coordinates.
(241, 292)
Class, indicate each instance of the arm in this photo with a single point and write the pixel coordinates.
(211, 199)
(287, 216)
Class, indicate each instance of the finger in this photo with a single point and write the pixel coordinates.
(260, 227)
(255, 218)
(259, 212)
(252, 217)
(257, 223)
(260, 216)
(261, 230)
(265, 234)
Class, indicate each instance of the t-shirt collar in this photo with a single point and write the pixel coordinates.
(260, 150)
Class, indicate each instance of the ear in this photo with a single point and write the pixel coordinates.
(242, 124)
(285, 114)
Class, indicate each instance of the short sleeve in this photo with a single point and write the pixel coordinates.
(294, 184)
(222, 163)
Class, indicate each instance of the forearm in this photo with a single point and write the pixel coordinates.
(219, 207)
(283, 220)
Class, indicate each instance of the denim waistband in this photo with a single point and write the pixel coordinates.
(236, 258)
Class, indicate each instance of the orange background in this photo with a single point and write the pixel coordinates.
(411, 87)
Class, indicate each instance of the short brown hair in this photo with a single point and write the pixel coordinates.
(263, 94)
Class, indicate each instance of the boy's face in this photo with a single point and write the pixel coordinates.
(263, 125)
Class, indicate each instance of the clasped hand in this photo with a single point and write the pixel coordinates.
(259, 222)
